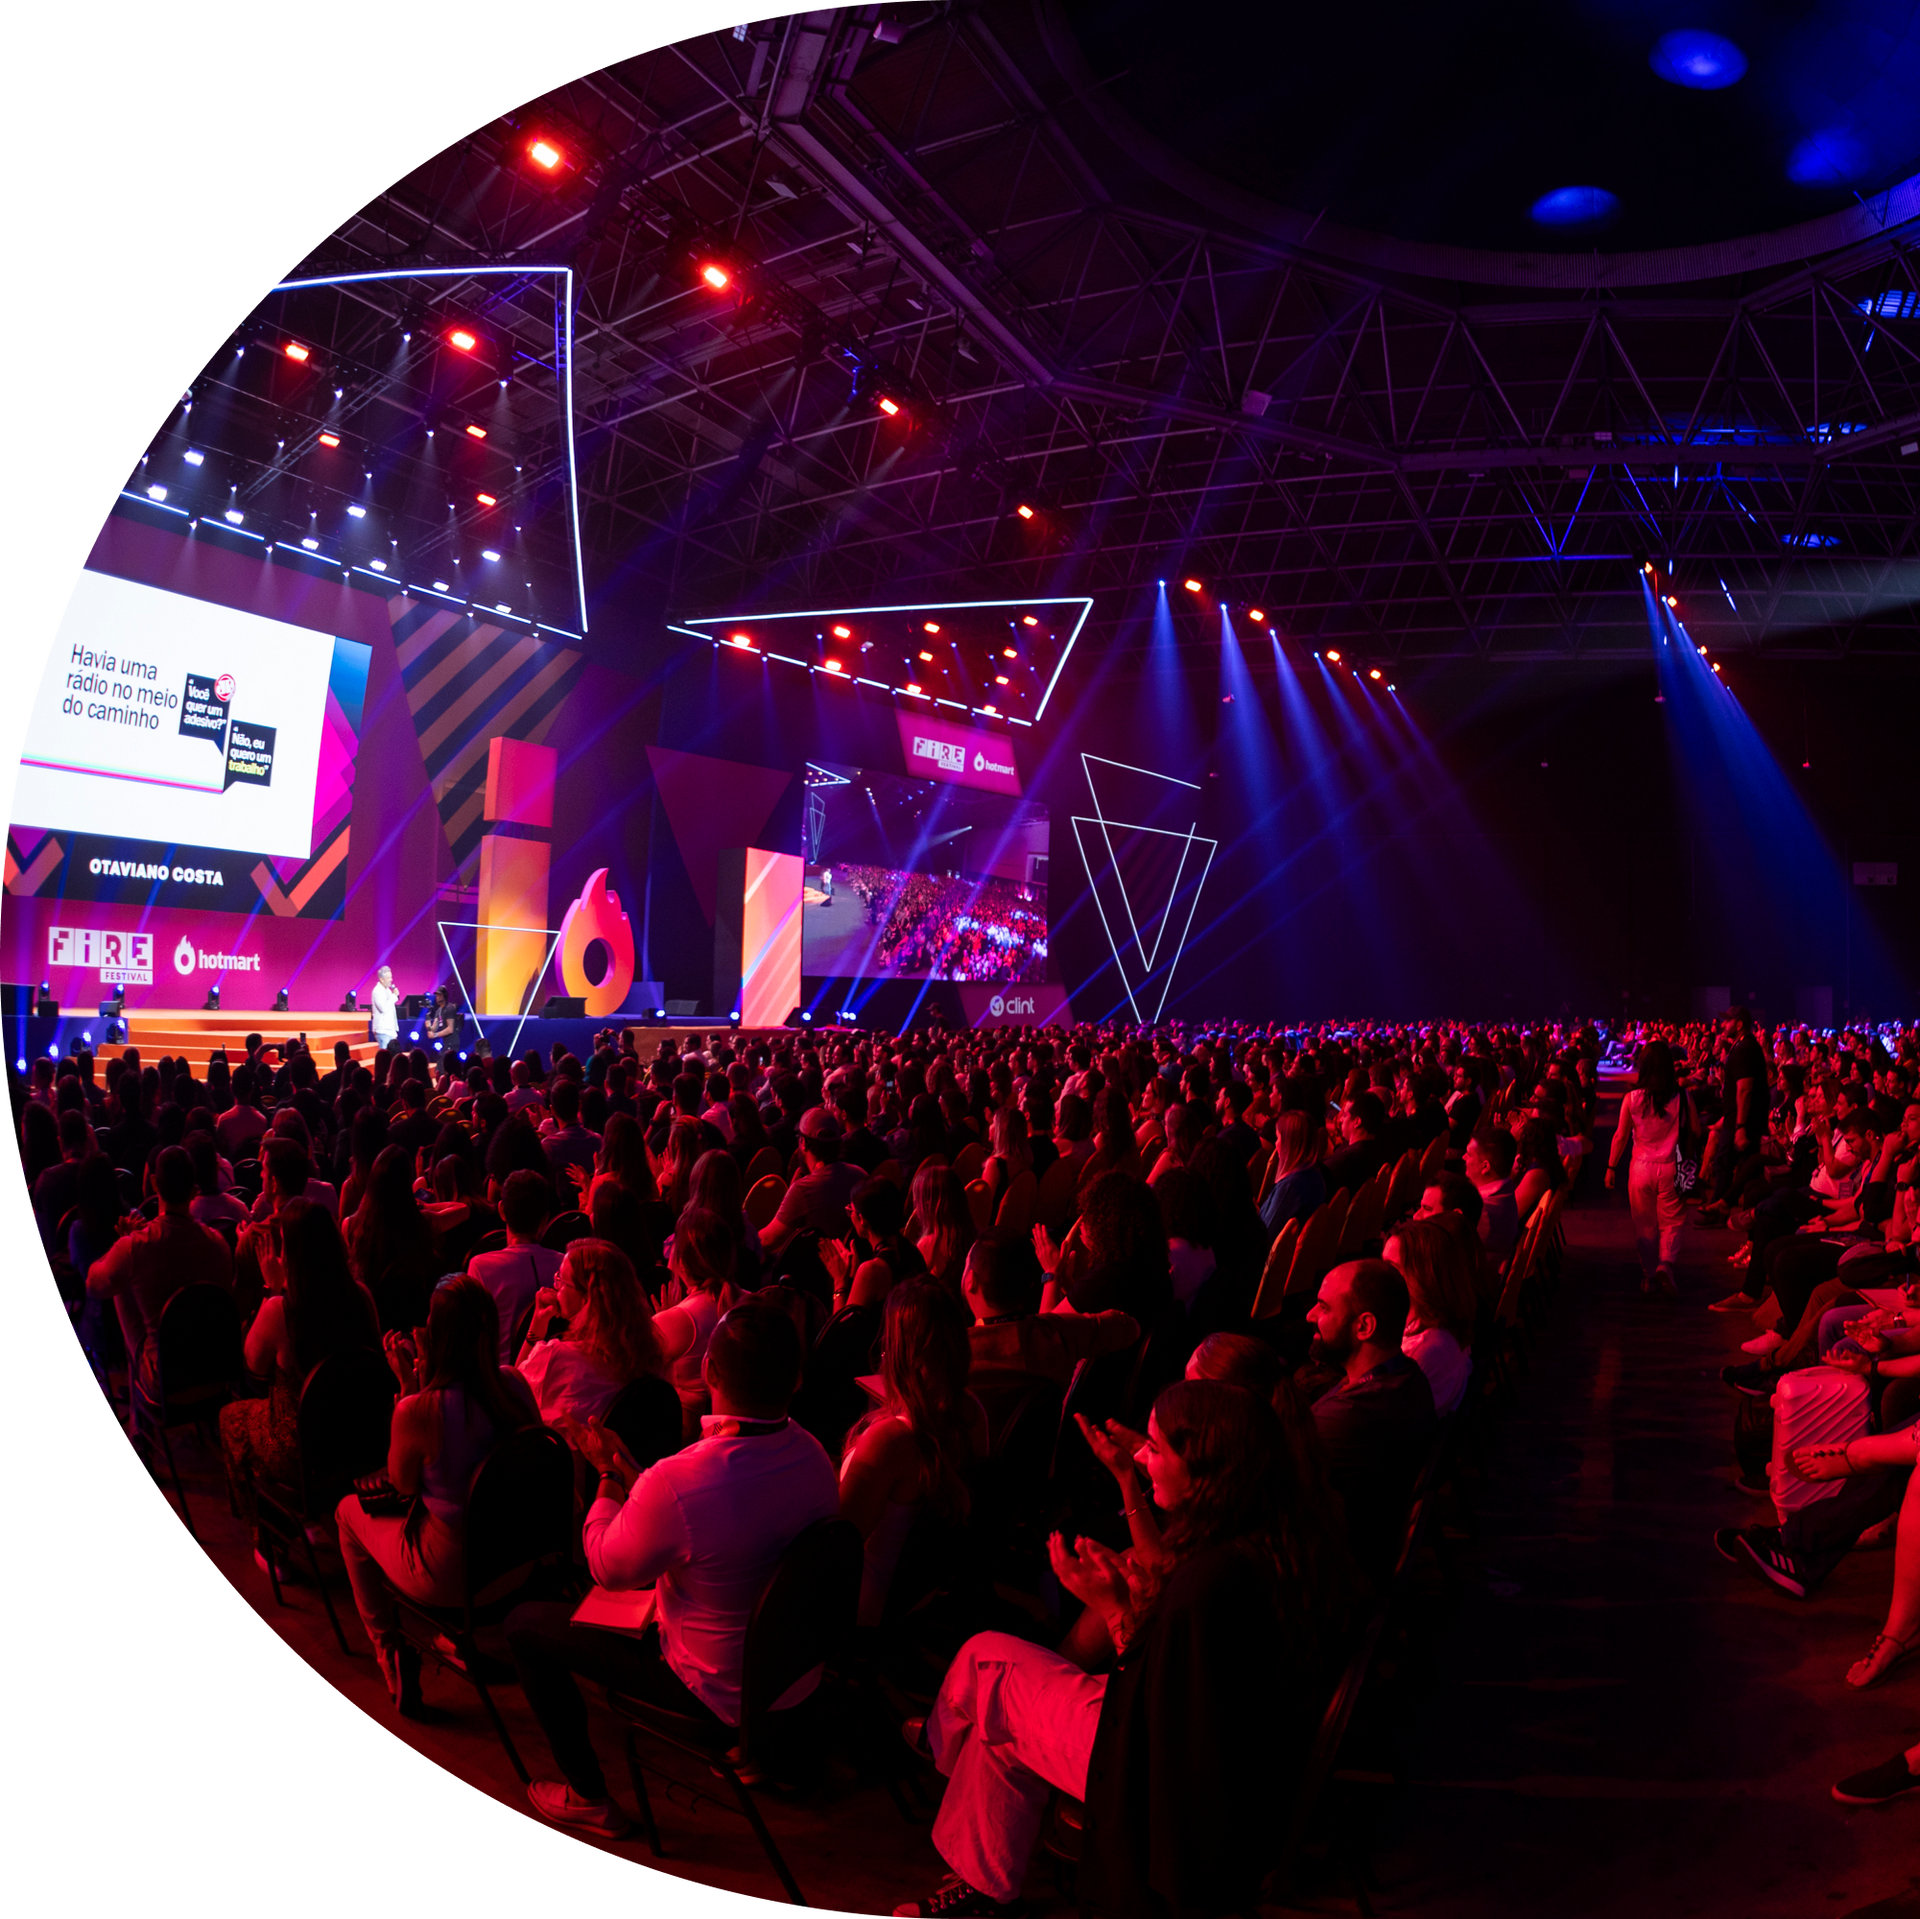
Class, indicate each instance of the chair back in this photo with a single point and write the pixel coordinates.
(968, 1161)
(1264, 1183)
(889, 1169)
(200, 1348)
(980, 1204)
(563, 1231)
(802, 1618)
(764, 1164)
(1316, 1249)
(1057, 1195)
(646, 1418)
(1017, 1204)
(1403, 1190)
(1273, 1276)
(519, 1512)
(1434, 1157)
(493, 1242)
(1362, 1225)
(764, 1197)
(345, 1420)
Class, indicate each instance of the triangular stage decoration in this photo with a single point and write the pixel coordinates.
(712, 805)
(1146, 861)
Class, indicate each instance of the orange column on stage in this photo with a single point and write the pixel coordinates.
(770, 937)
(515, 851)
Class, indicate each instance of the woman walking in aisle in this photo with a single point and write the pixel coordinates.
(1650, 1120)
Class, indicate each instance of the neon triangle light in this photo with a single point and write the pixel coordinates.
(1135, 917)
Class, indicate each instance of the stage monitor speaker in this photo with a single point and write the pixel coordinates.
(413, 1005)
(559, 1007)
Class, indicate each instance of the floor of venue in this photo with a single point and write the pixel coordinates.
(1600, 1716)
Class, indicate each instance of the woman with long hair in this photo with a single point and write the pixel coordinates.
(366, 1142)
(717, 1187)
(1223, 1638)
(750, 1138)
(916, 1446)
(638, 1227)
(390, 1241)
(673, 1172)
(700, 1291)
(1651, 1117)
(1299, 1187)
(1011, 1155)
(942, 1224)
(925, 1134)
(1442, 1307)
(456, 1404)
(1542, 1170)
(608, 1341)
(313, 1308)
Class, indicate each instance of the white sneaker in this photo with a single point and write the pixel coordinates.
(555, 1800)
(1761, 1344)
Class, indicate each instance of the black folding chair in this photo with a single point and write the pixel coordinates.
(646, 1419)
(805, 1613)
(345, 1421)
(200, 1362)
(564, 1230)
(519, 1518)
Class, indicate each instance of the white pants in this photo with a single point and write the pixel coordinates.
(1653, 1192)
(1012, 1721)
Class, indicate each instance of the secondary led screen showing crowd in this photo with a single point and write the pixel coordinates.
(914, 879)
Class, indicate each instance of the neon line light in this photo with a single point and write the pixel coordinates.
(1126, 985)
(563, 348)
(1213, 846)
(1191, 785)
(545, 932)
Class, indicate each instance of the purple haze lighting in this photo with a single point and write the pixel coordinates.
(1574, 207)
(1692, 58)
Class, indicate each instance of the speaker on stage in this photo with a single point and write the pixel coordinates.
(559, 1007)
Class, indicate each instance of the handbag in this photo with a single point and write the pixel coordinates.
(1686, 1154)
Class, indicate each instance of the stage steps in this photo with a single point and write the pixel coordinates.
(196, 1035)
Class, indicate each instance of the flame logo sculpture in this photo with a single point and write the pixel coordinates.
(596, 915)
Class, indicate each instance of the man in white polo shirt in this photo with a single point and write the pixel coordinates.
(705, 1528)
(384, 1020)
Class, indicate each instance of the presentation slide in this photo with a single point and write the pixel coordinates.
(168, 719)
(908, 879)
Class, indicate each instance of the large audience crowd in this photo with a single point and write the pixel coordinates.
(951, 928)
(1002, 1303)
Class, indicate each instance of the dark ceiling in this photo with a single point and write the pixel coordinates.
(1448, 123)
(1422, 445)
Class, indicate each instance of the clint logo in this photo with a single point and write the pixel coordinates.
(1000, 1007)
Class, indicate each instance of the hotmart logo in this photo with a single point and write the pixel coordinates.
(187, 959)
(124, 959)
(981, 764)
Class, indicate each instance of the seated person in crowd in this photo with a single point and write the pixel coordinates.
(1377, 1422)
(142, 1270)
(515, 1274)
(456, 1404)
(816, 1200)
(706, 1528)
(1299, 1186)
(1489, 1164)
(57, 1191)
(1183, 1751)
(214, 1201)
(1365, 1125)
(915, 1448)
(606, 1339)
(1012, 1341)
(1444, 1305)
(567, 1142)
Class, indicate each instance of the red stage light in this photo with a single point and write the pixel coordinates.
(914, 690)
(889, 407)
(740, 640)
(843, 632)
(1009, 653)
(1334, 655)
(1000, 679)
(329, 439)
(1671, 601)
(932, 626)
(1029, 620)
(994, 710)
(1025, 512)
(1373, 673)
(486, 499)
(716, 276)
(1256, 616)
(544, 153)
(834, 666)
(462, 339)
(477, 432)
(928, 657)
(1193, 586)
(295, 351)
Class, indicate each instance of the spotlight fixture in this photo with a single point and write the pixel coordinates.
(1024, 511)
(280, 1001)
(544, 153)
(487, 553)
(834, 666)
(843, 632)
(740, 640)
(1373, 672)
(379, 566)
(1256, 616)
(486, 499)
(716, 276)
(1333, 653)
(926, 656)
(932, 626)
(1671, 601)
(311, 544)
(156, 491)
(356, 512)
(888, 405)
(991, 711)
(213, 1000)
(1000, 679)
(1009, 652)
(194, 457)
(235, 517)
(296, 352)
(1646, 566)
(1193, 586)
(476, 432)
(1030, 619)
(913, 688)
(329, 439)
(461, 339)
